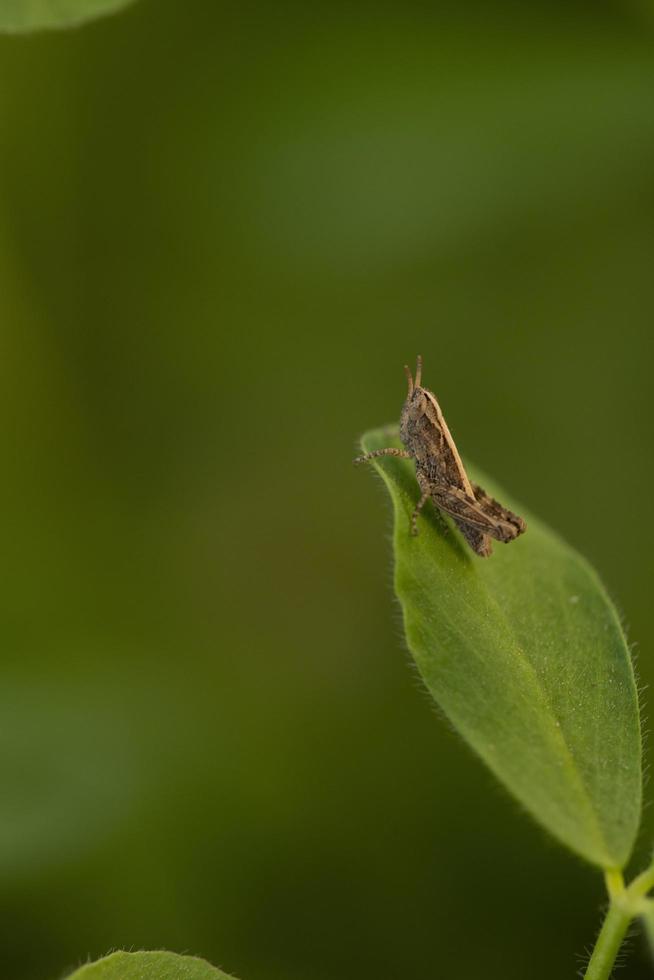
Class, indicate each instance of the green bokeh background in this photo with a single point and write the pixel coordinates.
(224, 228)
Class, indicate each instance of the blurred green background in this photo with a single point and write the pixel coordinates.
(224, 229)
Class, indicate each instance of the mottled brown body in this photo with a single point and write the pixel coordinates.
(441, 475)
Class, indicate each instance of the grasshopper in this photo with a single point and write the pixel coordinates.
(441, 475)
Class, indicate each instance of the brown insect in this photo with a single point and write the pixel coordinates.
(442, 476)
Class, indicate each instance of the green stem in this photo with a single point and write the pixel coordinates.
(640, 886)
(609, 940)
(626, 903)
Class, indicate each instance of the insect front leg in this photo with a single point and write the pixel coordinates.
(402, 453)
(416, 511)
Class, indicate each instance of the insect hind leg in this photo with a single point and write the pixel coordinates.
(502, 514)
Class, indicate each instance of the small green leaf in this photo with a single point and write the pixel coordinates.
(524, 653)
(34, 15)
(149, 966)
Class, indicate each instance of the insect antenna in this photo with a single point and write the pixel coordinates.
(409, 379)
(418, 370)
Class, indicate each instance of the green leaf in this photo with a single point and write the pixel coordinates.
(524, 653)
(149, 966)
(34, 15)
